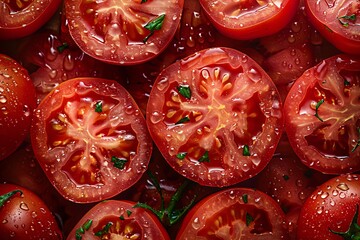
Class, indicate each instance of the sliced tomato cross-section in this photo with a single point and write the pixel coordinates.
(216, 116)
(91, 139)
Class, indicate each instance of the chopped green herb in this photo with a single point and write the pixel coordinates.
(78, 235)
(351, 17)
(346, 83)
(154, 25)
(118, 162)
(87, 224)
(62, 47)
(128, 212)
(105, 230)
(205, 157)
(358, 142)
(7, 196)
(183, 120)
(318, 104)
(249, 219)
(98, 107)
(286, 177)
(143, 1)
(246, 150)
(184, 91)
(81, 230)
(181, 155)
(245, 198)
(122, 217)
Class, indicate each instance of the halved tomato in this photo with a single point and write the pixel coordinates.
(337, 21)
(90, 139)
(123, 32)
(115, 219)
(249, 19)
(23, 17)
(322, 114)
(216, 116)
(235, 213)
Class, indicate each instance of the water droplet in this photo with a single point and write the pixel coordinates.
(231, 194)
(254, 75)
(196, 223)
(4, 221)
(3, 99)
(343, 186)
(156, 117)
(24, 206)
(301, 195)
(162, 84)
(34, 214)
(324, 195)
(342, 195)
(320, 209)
(26, 110)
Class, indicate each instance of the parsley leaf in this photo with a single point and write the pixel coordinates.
(318, 104)
(246, 151)
(98, 107)
(184, 91)
(154, 25)
(118, 162)
(205, 157)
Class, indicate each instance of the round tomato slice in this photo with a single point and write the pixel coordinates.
(115, 219)
(323, 118)
(216, 116)
(235, 213)
(90, 139)
(249, 19)
(23, 17)
(337, 21)
(123, 32)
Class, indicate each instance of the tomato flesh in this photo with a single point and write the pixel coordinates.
(233, 106)
(91, 138)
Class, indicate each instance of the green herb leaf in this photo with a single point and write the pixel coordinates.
(118, 162)
(346, 83)
(62, 47)
(143, 1)
(98, 107)
(318, 104)
(246, 150)
(154, 25)
(351, 17)
(122, 217)
(7, 196)
(205, 157)
(245, 198)
(78, 235)
(353, 232)
(87, 224)
(184, 91)
(181, 155)
(183, 120)
(128, 212)
(105, 230)
(286, 177)
(249, 219)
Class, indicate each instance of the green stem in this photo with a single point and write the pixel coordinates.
(7, 196)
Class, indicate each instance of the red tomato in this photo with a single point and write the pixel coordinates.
(116, 219)
(17, 101)
(337, 21)
(333, 207)
(51, 61)
(24, 17)
(323, 118)
(125, 32)
(25, 216)
(249, 19)
(215, 116)
(236, 213)
(90, 139)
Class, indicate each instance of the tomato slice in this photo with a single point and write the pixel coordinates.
(215, 116)
(90, 139)
(123, 32)
(235, 213)
(323, 118)
(115, 219)
(23, 17)
(337, 21)
(250, 19)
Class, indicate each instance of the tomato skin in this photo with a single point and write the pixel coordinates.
(90, 155)
(326, 143)
(21, 22)
(327, 20)
(223, 215)
(331, 206)
(247, 19)
(116, 34)
(25, 216)
(216, 77)
(138, 222)
(18, 99)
